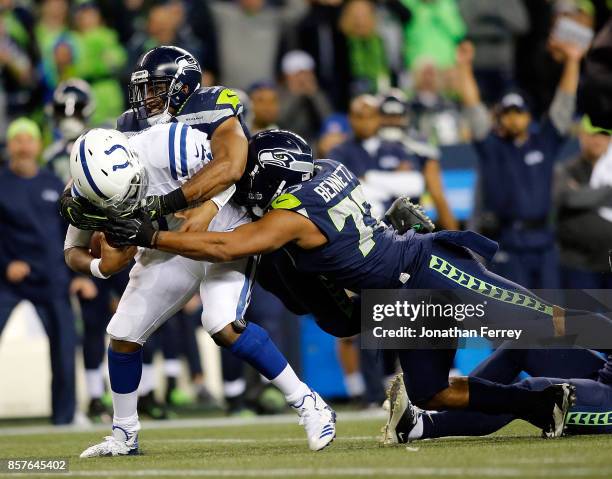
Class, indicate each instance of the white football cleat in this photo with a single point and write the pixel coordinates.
(318, 419)
(121, 443)
(403, 416)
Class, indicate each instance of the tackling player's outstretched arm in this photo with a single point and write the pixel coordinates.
(274, 230)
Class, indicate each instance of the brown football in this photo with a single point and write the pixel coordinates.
(95, 244)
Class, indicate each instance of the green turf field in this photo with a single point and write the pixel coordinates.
(225, 448)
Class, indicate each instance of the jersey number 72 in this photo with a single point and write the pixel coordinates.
(354, 205)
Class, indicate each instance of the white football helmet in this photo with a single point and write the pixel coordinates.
(106, 171)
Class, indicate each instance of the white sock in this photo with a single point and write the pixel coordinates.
(130, 424)
(232, 389)
(95, 383)
(417, 430)
(290, 385)
(172, 368)
(124, 408)
(147, 380)
(354, 383)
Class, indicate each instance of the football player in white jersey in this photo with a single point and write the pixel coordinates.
(115, 173)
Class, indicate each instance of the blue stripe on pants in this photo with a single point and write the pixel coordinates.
(245, 293)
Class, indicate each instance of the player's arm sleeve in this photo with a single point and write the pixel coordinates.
(216, 107)
(562, 111)
(479, 121)
(222, 198)
(76, 238)
(569, 194)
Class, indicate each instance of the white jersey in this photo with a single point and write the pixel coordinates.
(162, 283)
(171, 153)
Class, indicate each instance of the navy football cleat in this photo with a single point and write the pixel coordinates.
(563, 397)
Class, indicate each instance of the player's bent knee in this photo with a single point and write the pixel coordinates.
(456, 395)
(126, 329)
(120, 346)
(228, 335)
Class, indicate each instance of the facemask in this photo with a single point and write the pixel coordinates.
(70, 128)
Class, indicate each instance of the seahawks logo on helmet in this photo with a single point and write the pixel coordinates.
(187, 62)
(284, 159)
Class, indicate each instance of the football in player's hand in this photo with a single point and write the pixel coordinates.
(95, 244)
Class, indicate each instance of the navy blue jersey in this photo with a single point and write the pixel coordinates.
(205, 110)
(518, 178)
(31, 230)
(57, 159)
(517, 183)
(360, 252)
(375, 154)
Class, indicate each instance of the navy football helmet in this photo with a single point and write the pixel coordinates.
(159, 79)
(71, 108)
(277, 160)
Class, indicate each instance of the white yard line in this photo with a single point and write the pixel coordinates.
(190, 423)
(235, 440)
(345, 471)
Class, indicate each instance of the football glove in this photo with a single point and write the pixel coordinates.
(137, 230)
(157, 206)
(80, 213)
(404, 215)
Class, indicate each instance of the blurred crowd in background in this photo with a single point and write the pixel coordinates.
(404, 92)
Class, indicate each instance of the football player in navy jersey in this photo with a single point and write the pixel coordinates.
(165, 87)
(315, 211)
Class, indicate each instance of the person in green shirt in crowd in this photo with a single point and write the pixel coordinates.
(368, 63)
(433, 31)
(54, 42)
(99, 59)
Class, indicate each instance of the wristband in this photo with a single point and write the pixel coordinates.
(154, 239)
(173, 202)
(94, 267)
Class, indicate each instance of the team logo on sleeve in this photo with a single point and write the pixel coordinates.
(230, 98)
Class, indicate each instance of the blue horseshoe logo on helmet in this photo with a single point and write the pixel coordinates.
(118, 147)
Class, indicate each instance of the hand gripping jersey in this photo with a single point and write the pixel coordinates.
(360, 253)
(205, 110)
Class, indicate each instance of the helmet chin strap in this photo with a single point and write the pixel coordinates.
(160, 118)
(258, 211)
